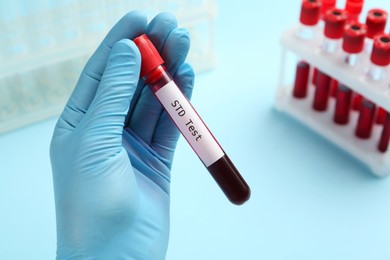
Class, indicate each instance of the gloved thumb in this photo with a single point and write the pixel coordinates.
(106, 114)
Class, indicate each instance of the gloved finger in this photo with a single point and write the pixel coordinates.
(166, 134)
(175, 49)
(158, 31)
(129, 26)
(148, 110)
(171, 42)
(105, 117)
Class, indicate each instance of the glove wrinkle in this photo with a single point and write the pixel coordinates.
(159, 29)
(138, 151)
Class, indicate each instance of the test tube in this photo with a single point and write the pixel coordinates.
(384, 139)
(333, 30)
(376, 23)
(380, 56)
(366, 119)
(309, 18)
(301, 79)
(189, 123)
(321, 94)
(343, 105)
(353, 41)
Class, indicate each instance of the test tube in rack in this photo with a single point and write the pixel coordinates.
(301, 79)
(309, 18)
(353, 41)
(376, 23)
(379, 60)
(333, 30)
(380, 56)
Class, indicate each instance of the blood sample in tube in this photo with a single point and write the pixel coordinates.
(357, 100)
(334, 85)
(189, 123)
(314, 77)
(384, 139)
(301, 79)
(321, 94)
(366, 119)
(343, 105)
(381, 116)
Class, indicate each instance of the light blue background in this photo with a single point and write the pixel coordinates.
(310, 200)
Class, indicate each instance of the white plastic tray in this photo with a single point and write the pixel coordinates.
(355, 78)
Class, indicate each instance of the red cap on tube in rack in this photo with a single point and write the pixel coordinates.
(380, 54)
(353, 37)
(326, 5)
(314, 76)
(334, 23)
(354, 8)
(376, 22)
(310, 12)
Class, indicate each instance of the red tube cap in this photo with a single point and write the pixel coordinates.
(150, 58)
(326, 5)
(354, 8)
(376, 22)
(310, 12)
(334, 23)
(353, 37)
(380, 54)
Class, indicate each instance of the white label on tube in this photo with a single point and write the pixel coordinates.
(189, 123)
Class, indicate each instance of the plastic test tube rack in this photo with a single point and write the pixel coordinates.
(44, 45)
(355, 77)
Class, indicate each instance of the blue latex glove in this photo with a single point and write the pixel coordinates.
(112, 184)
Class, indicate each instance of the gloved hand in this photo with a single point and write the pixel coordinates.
(111, 183)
